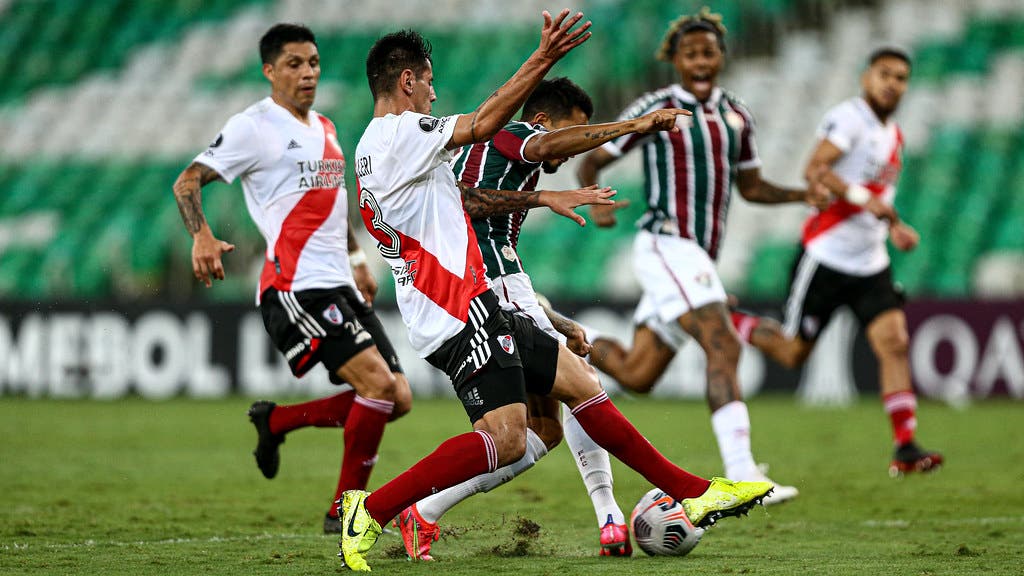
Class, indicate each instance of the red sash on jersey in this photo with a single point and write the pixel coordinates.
(430, 277)
(305, 218)
(840, 209)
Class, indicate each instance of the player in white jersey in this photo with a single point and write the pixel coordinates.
(315, 290)
(553, 127)
(420, 215)
(844, 260)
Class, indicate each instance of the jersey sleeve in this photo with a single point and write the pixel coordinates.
(623, 144)
(420, 142)
(511, 140)
(840, 126)
(236, 149)
(748, 158)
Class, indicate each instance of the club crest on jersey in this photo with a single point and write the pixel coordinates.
(333, 315)
(704, 279)
(508, 253)
(428, 123)
(507, 343)
(735, 120)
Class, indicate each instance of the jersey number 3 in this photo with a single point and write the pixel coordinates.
(388, 241)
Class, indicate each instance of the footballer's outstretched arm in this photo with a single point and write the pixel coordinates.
(557, 38)
(574, 140)
(481, 203)
(819, 172)
(206, 249)
(753, 188)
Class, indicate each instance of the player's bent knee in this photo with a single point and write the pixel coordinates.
(548, 430)
(402, 397)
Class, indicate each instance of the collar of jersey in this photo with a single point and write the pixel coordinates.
(865, 109)
(679, 92)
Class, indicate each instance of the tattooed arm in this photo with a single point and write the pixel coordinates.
(481, 203)
(574, 140)
(206, 249)
(755, 189)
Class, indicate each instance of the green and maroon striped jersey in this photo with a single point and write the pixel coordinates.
(499, 165)
(688, 175)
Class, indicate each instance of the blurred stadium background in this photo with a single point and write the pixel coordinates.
(104, 102)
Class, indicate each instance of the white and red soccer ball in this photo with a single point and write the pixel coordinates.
(661, 527)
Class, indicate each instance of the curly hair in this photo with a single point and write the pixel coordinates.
(704, 20)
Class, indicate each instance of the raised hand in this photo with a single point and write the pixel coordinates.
(206, 261)
(562, 203)
(605, 216)
(660, 120)
(557, 37)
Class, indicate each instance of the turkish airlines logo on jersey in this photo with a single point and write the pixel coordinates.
(333, 315)
(506, 343)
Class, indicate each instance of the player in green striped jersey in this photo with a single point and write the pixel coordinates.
(552, 128)
(688, 181)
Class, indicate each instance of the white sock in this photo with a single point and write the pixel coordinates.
(595, 468)
(732, 429)
(434, 506)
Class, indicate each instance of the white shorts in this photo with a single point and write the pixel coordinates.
(515, 294)
(677, 276)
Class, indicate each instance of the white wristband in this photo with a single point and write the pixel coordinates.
(357, 258)
(857, 195)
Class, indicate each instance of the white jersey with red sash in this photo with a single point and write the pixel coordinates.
(411, 203)
(293, 176)
(846, 237)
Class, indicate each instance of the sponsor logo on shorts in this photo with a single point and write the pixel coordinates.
(333, 315)
(296, 350)
(472, 398)
(506, 343)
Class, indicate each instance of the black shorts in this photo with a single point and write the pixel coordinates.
(816, 291)
(497, 358)
(326, 325)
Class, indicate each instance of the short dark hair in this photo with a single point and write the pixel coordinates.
(405, 49)
(889, 51)
(273, 41)
(557, 98)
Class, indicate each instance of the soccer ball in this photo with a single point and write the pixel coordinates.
(661, 527)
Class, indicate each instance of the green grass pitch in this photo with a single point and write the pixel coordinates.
(135, 487)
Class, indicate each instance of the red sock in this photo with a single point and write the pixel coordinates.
(330, 412)
(603, 422)
(363, 430)
(744, 324)
(902, 409)
(456, 460)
